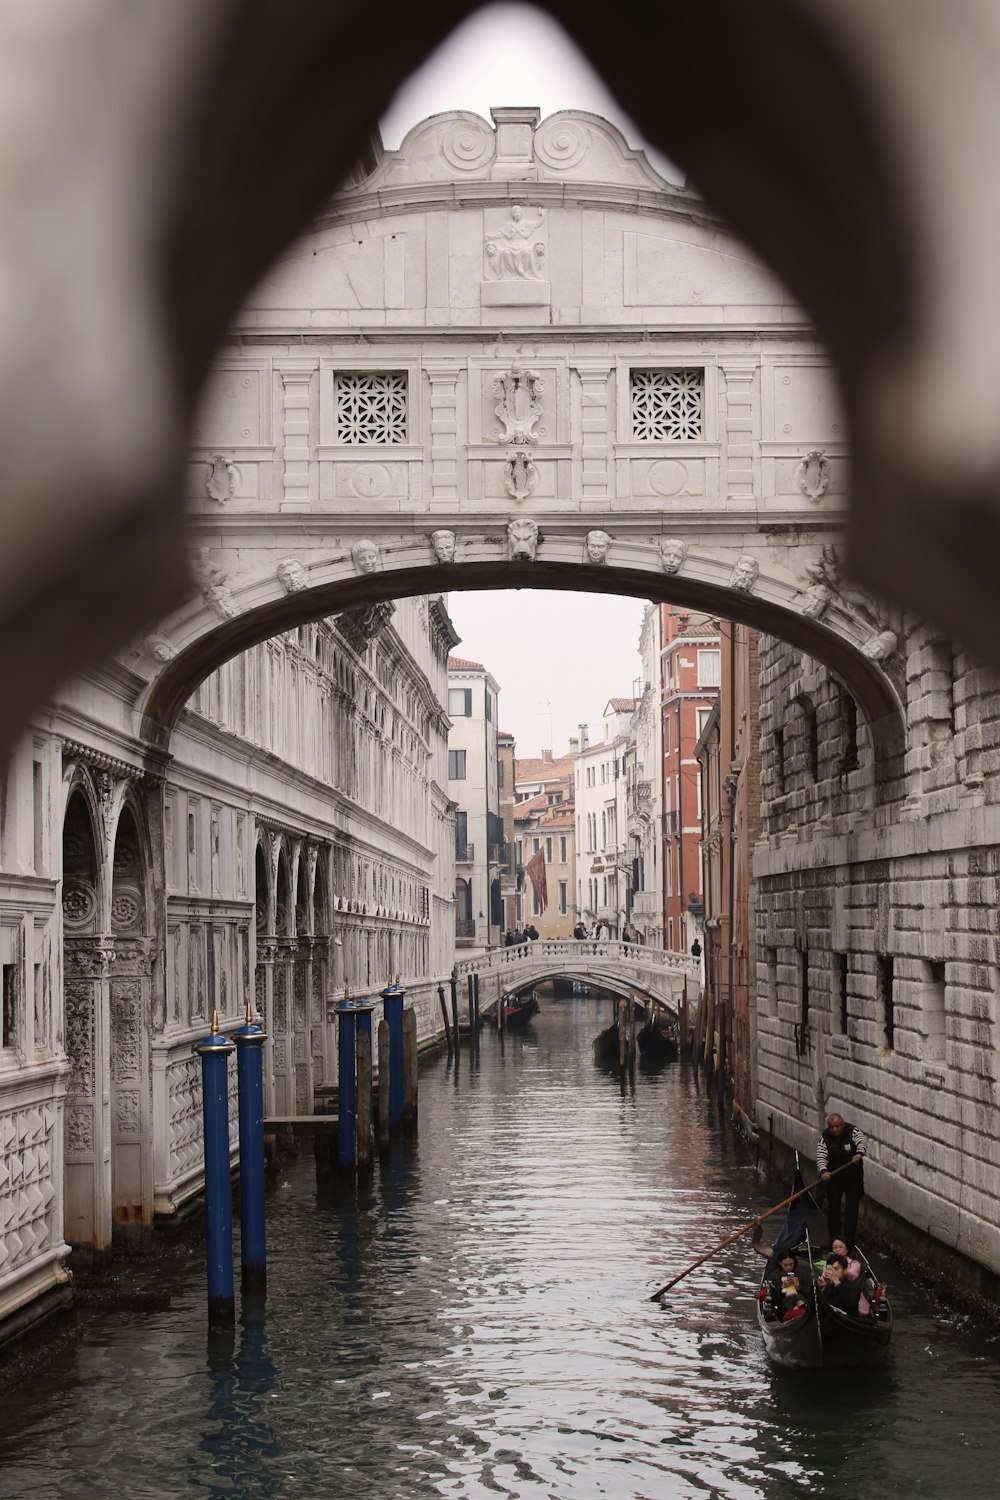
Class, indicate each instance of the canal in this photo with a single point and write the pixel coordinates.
(477, 1324)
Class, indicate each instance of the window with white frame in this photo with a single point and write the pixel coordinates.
(563, 901)
(667, 405)
(709, 668)
(702, 716)
(460, 703)
(370, 408)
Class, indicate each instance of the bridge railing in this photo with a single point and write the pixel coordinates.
(577, 951)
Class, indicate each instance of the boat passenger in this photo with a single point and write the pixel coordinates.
(836, 1290)
(852, 1273)
(785, 1280)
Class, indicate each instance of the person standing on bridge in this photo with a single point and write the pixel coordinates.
(842, 1145)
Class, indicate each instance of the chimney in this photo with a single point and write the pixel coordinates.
(574, 744)
(547, 757)
(583, 737)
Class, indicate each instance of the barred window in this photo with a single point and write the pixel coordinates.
(667, 405)
(370, 408)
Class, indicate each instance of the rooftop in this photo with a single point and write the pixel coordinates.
(460, 661)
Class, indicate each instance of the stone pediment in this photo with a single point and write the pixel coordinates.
(572, 145)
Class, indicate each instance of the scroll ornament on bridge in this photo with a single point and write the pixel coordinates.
(522, 539)
(223, 478)
(211, 579)
(745, 575)
(519, 405)
(520, 476)
(813, 473)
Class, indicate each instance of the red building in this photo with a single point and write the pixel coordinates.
(689, 688)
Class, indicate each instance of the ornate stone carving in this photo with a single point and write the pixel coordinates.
(515, 251)
(292, 575)
(366, 555)
(522, 539)
(443, 545)
(159, 649)
(673, 554)
(126, 909)
(519, 405)
(597, 546)
(211, 579)
(881, 646)
(223, 478)
(561, 144)
(79, 1129)
(127, 1111)
(359, 627)
(79, 903)
(813, 602)
(79, 1001)
(520, 476)
(469, 146)
(813, 473)
(125, 1036)
(745, 574)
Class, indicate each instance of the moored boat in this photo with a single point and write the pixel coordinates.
(518, 1010)
(657, 1043)
(820, 1336)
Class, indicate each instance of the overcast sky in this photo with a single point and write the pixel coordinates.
(558, 658)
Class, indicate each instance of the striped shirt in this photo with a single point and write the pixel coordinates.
(856, 1141)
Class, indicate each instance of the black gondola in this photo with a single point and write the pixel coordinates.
(657, 1043)
(518, 1012)
(822, 1336)
(606, 1044)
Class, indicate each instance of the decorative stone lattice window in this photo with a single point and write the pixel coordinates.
(667, 405)
(370, 408)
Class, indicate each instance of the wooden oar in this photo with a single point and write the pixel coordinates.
(746, 1229)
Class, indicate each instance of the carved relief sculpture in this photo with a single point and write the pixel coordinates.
(814, 601)
(513, 253)
(443, 545)
(212, 582)
(881, 646)
(813, 474)
(745, 574)
(522, 538)
(159, 649)
(520, 476)
(366, 555)
(222, 479)
(519, 404)
(292, 575)
(598, 543)
(673, 554)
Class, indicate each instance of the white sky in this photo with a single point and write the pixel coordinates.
(558, 657)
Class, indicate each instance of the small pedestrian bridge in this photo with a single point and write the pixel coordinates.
(624, 968)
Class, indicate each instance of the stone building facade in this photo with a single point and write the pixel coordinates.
(482, 854)
(878, 970)
(299, 837)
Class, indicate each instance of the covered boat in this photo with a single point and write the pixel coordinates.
(820, 1335)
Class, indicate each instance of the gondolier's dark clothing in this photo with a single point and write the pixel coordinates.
(848, 1187)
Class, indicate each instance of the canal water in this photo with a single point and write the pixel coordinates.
(477, 1324)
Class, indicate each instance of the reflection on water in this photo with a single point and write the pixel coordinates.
(474, 1322)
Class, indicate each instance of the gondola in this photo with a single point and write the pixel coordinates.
(823, 1337)
(606, 1045)
(657, 1043)
(518, 1012)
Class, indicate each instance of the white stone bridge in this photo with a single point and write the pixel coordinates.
(628, 969)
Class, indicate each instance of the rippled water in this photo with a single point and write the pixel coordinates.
(477, 1324)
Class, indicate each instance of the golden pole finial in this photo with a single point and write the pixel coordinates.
(347, 992)
(249, 1019)
(215, 1023)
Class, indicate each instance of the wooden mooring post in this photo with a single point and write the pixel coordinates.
(501, 1010)
(444, 1017)
(383, 1081)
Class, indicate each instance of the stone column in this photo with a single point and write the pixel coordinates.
(86, 989)
(594, 432)
(739, 439)
(296, 378)
(444, 432)
(131, 1124)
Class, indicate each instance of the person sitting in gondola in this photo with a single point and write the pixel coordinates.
(853, 1271)
(785, 1273)
(792, 1302)
(836, 1290)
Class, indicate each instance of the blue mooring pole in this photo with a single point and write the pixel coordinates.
(347, 1086)
(250, 1040)
(363, 1010)
(214, 1052)
(392, 1000)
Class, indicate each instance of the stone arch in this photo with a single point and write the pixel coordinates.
(86, 969)
(130, 1027)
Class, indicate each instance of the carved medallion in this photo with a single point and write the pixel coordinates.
(812, 474)
(520, 476)
(519, 405)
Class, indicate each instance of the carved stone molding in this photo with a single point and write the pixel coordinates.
(520, 476)
(673, 554)
(813, 474)
(222, 481)
(519, 405)
(745, 574)
(522, 539)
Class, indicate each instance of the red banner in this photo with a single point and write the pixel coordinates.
(535, 871)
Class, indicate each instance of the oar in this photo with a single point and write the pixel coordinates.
(746, 1229)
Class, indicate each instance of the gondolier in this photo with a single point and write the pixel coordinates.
(842, 1144)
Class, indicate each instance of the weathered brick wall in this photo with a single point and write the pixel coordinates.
(878, 974)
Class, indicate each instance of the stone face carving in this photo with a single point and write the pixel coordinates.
(745, 574)
(512, 254)
(881, 646)
(212, 581)
(673, 554)
(814, 601)
(520, 476)
(598, 543)
(522, 538)
(159, 648)
(519, 404)
(443, 545)
(812, 474)
(292, 575)
(366, 555)
(222, 479)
